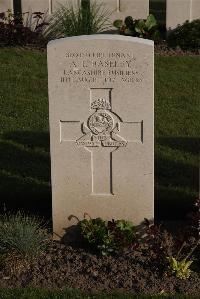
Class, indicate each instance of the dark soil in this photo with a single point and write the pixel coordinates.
(161, 48)
(63, 266)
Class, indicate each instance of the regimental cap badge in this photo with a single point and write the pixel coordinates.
(100, 103)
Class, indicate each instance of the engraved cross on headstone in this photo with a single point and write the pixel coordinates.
(101, 134)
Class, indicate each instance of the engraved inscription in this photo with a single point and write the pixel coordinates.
(114, 143)
(100, 103)
(101, 68)
(88, 143)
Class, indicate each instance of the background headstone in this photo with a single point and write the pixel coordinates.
(138, 9)
(36, 6)
(178, 11)
(48, 6)
(56, 3)
(195, 9)
(101, 128)
(5, 5)
(119, 8)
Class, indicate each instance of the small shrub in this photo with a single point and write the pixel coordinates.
(186, 36)
(108, 237)
(72, 21)
(158, 243)
(194, 218)
(22, 235)
(140, 28)
(180, 268)
(23, 29)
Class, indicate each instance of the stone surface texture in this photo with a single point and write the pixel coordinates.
(101, 128)
(47, 6)
(5, 5)
(119, 9)
(56, 3)
(36, 5)
(178, 11)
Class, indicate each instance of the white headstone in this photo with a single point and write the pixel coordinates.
(138, 9)
(195, 9)
(119, 8)
(101, 128)
(43, 6)
(5, 5)
(178, 11)
(57, 3)
(49, 6)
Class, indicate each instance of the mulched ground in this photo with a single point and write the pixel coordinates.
(162, 49)
(63, 266)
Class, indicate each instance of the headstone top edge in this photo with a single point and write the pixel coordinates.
(102, 37)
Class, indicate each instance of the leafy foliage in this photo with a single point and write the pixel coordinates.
(140, 28)
(186, 36)
(84, 19)
(162, 248)
(158, 244)
(108, 237)
(23, 29)
(194, 218)
(21, 234)
(180, 268)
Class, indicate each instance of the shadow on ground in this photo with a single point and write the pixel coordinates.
(25, 172)
(25, 175)
(176, 182)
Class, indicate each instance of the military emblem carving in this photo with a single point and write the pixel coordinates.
(100, 123)
(102, 133)
(102, 127)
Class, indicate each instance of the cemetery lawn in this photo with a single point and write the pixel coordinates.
(24, 133)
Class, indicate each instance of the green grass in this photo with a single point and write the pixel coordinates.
(177, 132)
(31, 293)
(24, 133)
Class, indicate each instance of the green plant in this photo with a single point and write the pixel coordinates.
(140, 28)
(95, 232)
(108, 237)
(84, 19)
(158, 243)
(123, 232)
(22, 235)
(22, 29)
(180, 268)
(186, 36)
